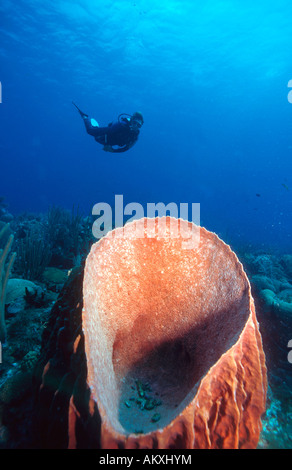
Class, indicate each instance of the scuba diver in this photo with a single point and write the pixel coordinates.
(123, 133)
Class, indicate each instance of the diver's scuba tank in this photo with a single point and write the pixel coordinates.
(132, 119)
(121, 118)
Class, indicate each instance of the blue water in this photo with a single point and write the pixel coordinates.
(210, 79)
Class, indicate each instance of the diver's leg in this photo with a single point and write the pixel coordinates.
(92, 126)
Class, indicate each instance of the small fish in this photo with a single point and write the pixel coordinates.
(150, 404)
(140, 388)
(141, 403)
(156, 417)
(139, 431)
(258, 195)
(285, 186)
(147, 387)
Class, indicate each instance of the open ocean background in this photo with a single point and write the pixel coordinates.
(211, 79)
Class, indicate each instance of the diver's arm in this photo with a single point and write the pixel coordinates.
(121, 149)
(109, 148)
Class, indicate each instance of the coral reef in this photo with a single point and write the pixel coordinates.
(5, 216)
(27, 305)
(58, 239)
(55, 408)
(69, 235)
(19, 293)
(4, 275)
(25, 326)
(271, 281)
(54, 276)
(277, 423)
(34, 255)
(60, 377)
(17, 288)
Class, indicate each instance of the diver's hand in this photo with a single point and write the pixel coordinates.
(108, 148)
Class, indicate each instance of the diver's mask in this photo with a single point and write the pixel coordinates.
(136, 124)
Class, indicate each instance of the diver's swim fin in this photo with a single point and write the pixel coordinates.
(83, 115)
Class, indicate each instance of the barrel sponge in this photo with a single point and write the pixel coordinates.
(174, 326)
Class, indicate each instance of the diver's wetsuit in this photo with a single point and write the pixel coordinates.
(122, 133)
(119, 133)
